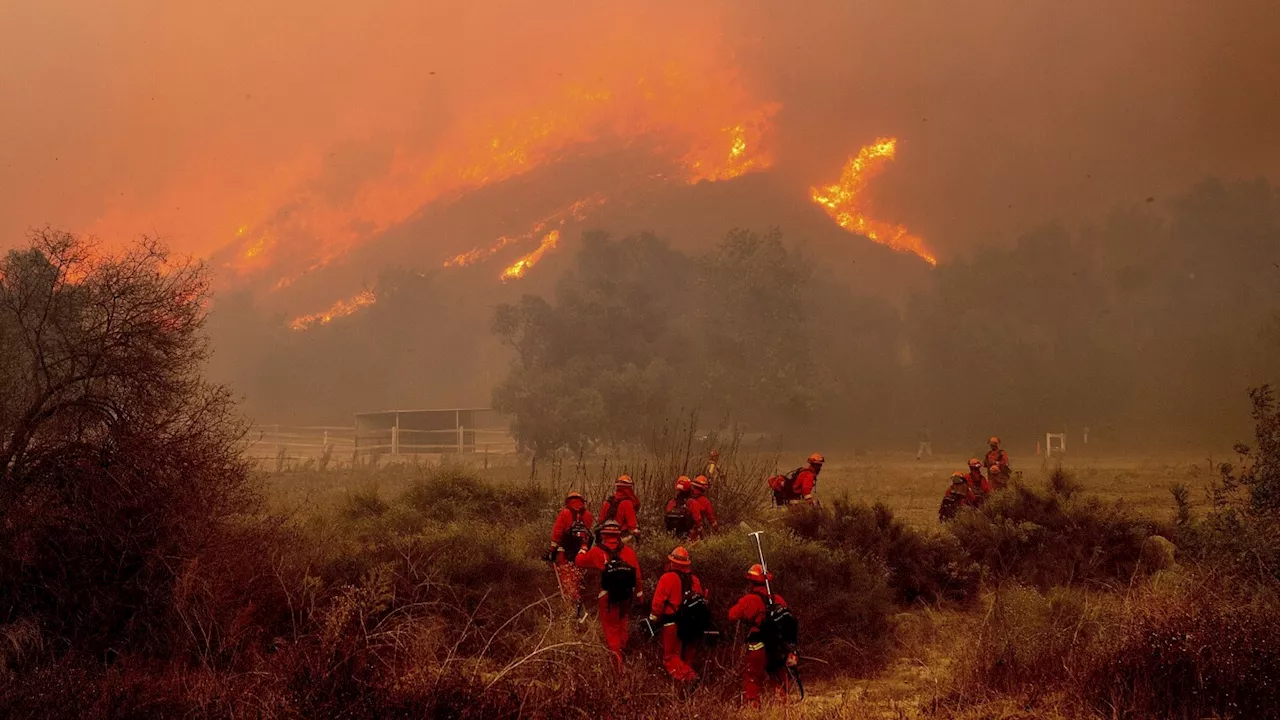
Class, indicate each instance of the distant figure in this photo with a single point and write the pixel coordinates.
(957, 496)
(711, 471)
(1086, 434)
(925, 439)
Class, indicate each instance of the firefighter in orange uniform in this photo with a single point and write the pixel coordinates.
(619, 570)
(570, 533)
(621, 508)
(752, 609)
(673, 593)
(978, 483)
(704, 513)
(997, 462)
(957, 496)
(807, 478)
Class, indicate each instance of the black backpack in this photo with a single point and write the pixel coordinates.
(785, 492)
(679, 518)
(779, 632)
(576, 537)
(618, 579)
(693, 617)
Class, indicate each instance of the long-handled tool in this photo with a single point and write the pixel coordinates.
(764, 568)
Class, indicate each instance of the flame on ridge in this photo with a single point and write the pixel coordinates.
(845, 201)
(342, 308)
(521, 266)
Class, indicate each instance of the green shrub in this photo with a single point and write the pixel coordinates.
(925, 567)
(841, 599)
(448, 493)
(1053, 536)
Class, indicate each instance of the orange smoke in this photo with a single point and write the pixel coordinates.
(519, 267)
(342, 308)
(845, 201)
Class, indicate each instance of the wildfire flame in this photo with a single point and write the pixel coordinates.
(576, 211)
(845, 201)
(519, 267)
(342, 308)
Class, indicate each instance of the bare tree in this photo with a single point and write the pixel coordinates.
(118, 461)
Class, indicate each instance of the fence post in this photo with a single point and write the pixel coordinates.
(460, 439)
(395, 440)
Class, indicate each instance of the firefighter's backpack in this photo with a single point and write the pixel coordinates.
(784, 487)
(679, 519)
(693, 617)
(779, 632)
(618, 579)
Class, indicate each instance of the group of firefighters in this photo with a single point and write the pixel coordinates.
(679, 613)
(971, 489)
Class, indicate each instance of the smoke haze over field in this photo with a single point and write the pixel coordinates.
(332, 158)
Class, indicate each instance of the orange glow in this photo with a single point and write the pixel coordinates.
(845, 201)
(342, 308)
(734, 151)
(519, 267)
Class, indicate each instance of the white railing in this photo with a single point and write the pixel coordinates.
(401, 441)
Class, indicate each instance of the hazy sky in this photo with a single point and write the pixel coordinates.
(335, 119)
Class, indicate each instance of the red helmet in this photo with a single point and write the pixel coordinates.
(625, 481)
(611, 527)
(816, 459)
(957, 478)
(974, 463)
(993, 440)
(701, 482)
(714, 454)
(757, 574)
(679, 556)
(573, 495)
(683, 483)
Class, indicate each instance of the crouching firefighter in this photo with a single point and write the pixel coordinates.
(957, 496)
(571, 533)
(797, 486)
(619, 570)
(681, 615)
(772, 633)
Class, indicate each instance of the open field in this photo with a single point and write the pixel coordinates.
(911, 488)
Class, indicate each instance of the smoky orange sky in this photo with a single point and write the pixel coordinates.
(308, 127)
